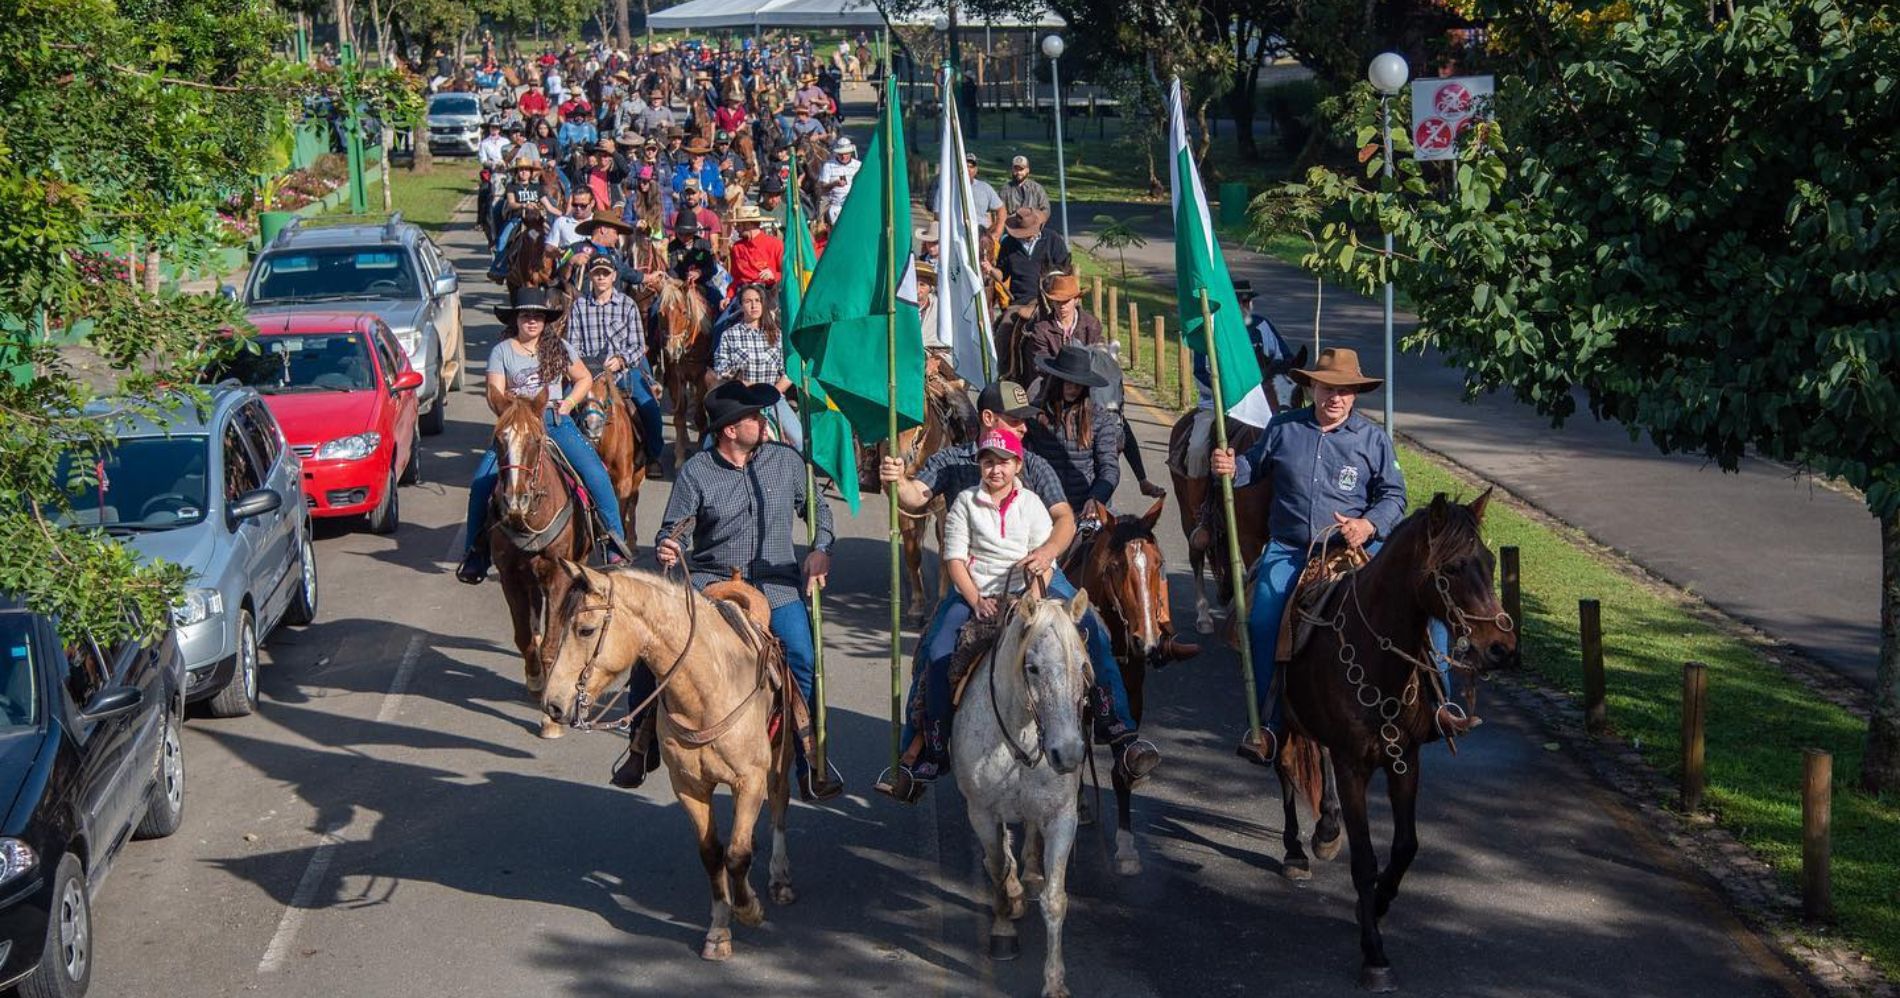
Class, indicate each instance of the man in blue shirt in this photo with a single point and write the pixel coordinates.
(1329, 468)
(700, 167)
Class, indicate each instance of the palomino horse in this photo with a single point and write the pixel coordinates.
(1017, 749)
(1122, 571)
(714, 708)
(607, 420)
(1191, 501)
(1354, 687)
(686, 320)
(534, 524)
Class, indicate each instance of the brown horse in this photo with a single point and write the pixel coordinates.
(713, 711)
(1193, 498)
(1121, 569)
(534, 524)
(529, 261)
(686, 320)
(607, 420)
(1375, 713)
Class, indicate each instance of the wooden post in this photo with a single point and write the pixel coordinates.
(1134, 332)
(1817, 804)
(1114, 310)
(1510, 581)
(1596, 718)
(1695, 708)
(1160, 335)
(1095, 296)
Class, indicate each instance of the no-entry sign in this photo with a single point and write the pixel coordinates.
(1442, 108)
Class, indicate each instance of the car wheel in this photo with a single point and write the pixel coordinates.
(239, 696)
(388, 514)
(303, 606)
(167, 810)
(461, 363)
(412, 471)
(435, 418)
(65, 968)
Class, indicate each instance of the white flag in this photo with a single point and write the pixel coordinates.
(963, 315)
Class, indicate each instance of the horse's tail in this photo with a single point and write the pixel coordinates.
(1304, 762)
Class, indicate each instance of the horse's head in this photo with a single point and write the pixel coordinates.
(1127, 559)
(592, 637)
(594, 413)
(1055, 674)
(683, 316)
(1453, 579)
(526, 472)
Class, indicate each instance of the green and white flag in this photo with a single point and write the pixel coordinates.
(1198, 263)
(828, 443)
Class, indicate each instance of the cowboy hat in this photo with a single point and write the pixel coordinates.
(527, 300)
(772, 184)
(1338, 367)
(1059, 286)
(1024, 222)
(747, 213)
(599, 222)
(736, 400)
(1074, 363)
(926, 273)
(844, 145)
(1243, 288)
(698, 147)
(929, 234)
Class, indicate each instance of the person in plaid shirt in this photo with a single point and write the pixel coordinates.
(604, 326)
(750, 351)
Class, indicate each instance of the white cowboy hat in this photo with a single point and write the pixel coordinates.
(844, 145)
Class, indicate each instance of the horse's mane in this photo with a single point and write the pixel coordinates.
(1458, 540)
(675, 294)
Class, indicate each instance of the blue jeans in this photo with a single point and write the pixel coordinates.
(1279, 567)
(578, 452)
(501, 244)
(633, 382)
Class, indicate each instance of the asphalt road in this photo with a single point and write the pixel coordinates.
(388, 824)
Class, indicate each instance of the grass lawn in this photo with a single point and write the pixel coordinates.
(427, 199)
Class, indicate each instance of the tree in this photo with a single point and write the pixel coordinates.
(1723, 281)
(1118, 235)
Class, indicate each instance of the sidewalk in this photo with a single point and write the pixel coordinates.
(1767, 546)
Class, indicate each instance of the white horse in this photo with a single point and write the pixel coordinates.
(1016, 748)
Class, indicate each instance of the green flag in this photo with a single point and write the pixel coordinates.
(828, 443)
(841, 324)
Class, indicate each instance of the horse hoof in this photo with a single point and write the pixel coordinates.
(783, 894)
(1377, 980)
(1032, 885)
(552, 729)
(1297, 872)
(718, 952)
(1017, 906)
(1005, 947)
(1329, 849)
(1128, 866)
(751, 915)
(1055, 991)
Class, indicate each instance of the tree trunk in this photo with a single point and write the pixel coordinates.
(421, 160)
(154, 260)
(342, 26)
(382, 32)
(383, 168)
(623, 25)
(1880, 770)
(1240, 106)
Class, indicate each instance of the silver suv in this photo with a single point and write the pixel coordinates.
(379, 265)
(215, 490)
(455, 123)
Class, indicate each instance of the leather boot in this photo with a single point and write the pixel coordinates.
(1262, 751)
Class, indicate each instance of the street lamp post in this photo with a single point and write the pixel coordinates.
(1388, 75)
(1052, 48)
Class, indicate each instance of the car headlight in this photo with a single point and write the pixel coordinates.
(198, 606)
(350, 448)
(16, 859)
(411, 343)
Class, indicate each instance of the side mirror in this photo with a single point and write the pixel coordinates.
(256, 502)
(446, 285)
(111, 702)
(228, 291)
(407, 381)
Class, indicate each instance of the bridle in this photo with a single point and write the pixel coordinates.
(536, 491)
(1024, 756)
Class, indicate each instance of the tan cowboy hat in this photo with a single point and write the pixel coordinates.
(1061, 287)
(929, 234)
(747, 213)
(1024, 222)
(926, 273)
(1338, 367)
(599, 222)
(698, 147)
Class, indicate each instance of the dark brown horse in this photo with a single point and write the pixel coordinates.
(1192, 500)
(535, 524)
(1371, 709)
(529, 261)
(1121, 569)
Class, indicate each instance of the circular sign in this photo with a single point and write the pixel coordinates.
(1452, 100)
(1433, 135)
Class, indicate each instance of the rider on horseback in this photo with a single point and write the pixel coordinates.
(604, 325)
(1333, 472)
(522, 194)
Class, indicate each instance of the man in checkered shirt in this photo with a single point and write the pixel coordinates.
(604, 327)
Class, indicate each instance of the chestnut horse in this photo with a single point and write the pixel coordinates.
(534, 523)
(686, 321)
(1195, 497)
(1121, 569)
(529, 261)
(607, 420)
(713, 710)
(1375, 711)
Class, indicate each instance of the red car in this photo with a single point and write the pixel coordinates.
(344, 392)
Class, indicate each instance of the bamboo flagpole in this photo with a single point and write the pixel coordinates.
(886, 164)
(812, 498)
(1236, 568)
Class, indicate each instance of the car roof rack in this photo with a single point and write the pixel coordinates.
(391, 224)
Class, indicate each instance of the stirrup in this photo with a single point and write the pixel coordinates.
(822, 789)
(1152, 759)
(467, 573)
(1452, 721)
(1261, 751)
(900, 784)
(631, 769)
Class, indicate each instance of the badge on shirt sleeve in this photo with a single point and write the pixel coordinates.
(1348, 478)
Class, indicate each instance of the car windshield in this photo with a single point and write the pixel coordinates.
(139, 483)
(337, 362)
(19, 683)
(334, 274)
(455, 104)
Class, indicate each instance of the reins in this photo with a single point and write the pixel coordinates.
(1022, 755)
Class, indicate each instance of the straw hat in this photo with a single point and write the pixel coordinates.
(747, 213)
(929, 234)
(1338, 367)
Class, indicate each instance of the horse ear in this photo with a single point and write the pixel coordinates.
(576, 573)
(1477, 506)
(1078, 606)
(541, 400)
(1438, 509)
(1153, 516)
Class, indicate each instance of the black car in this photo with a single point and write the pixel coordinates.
(91, 756)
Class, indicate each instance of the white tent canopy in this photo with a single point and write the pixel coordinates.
(709, 14)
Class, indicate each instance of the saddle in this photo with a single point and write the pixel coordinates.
(1315, 590)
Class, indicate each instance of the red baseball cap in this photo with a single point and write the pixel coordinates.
(1000, 440)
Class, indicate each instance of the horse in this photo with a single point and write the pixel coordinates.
(1192, 500)
(1353, 689)
(713, 715)
(1023, 707)
(607, 420)
(529, 261)
(686, 320)
(534, 525)
(1121, 569)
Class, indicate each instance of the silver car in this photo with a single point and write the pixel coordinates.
(215, 490)
(455, 123)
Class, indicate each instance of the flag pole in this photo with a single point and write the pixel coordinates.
(1236, 568)
(812, 498)
(886, 165)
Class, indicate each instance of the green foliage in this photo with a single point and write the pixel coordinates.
(1118, 235)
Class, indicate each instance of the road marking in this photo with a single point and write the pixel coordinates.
(392, 701)
(300, 901)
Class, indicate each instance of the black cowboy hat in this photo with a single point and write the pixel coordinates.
(1074, 363)
(1243, 288)
(599, 222)
(772, 184)
(736, 400)
(527, 300)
